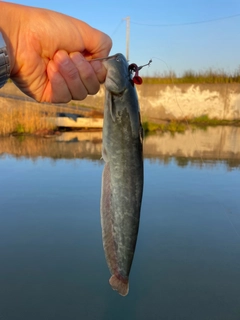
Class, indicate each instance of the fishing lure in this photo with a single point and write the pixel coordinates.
(133, 69)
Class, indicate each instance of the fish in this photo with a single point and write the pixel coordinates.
(122, 177)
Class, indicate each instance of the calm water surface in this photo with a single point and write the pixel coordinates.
(187, 261)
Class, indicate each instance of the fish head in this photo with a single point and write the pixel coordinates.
(118, 75)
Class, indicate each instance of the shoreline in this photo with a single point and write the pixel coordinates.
(164, 107)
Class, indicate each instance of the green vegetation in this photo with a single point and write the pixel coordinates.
(181, 126)
(21, 120)
(172, 126)
(204, 120)
(190, 76)
(150, 126)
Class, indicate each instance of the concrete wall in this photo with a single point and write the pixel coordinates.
(188, 101)
(165, 102)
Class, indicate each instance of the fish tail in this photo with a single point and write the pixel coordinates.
(121, 285)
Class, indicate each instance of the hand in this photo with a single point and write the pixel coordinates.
(50, 53)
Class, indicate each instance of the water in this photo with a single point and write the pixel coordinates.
(187, 261)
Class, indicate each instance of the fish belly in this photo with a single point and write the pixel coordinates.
(122, 185)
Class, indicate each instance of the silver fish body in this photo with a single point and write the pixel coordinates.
(122, 181)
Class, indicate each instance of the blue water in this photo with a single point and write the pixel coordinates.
(52, 264)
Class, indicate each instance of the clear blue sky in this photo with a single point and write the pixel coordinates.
(159, 28)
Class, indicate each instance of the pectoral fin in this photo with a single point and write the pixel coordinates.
(111, 106)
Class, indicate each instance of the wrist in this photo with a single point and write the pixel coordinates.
(9, 27)
(4, 62)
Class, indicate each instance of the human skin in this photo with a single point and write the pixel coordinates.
(50, 53)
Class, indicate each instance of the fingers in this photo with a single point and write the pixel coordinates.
(73, 77)
(90, 75)
(99, 70)
(57, 89)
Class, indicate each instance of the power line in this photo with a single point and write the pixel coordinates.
(186, 23)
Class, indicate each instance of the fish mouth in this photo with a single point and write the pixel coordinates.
(112, 86)
(117, 94)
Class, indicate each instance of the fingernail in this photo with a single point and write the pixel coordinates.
(62, 58)
(76, 57)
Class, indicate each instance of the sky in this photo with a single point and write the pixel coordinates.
(178, 35)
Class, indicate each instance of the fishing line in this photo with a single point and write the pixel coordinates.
(135, 68)
(117, 27)
(178, 104)
(227, 210)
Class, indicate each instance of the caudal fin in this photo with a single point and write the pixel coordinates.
(120, 285)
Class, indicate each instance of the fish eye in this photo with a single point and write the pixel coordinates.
(118, 59)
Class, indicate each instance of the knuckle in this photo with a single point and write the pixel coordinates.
(87, 74)
(72, 73)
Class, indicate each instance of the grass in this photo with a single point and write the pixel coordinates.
(192, 77)
(22, 120)
(181, 126)
(204, 120)
(172, 126)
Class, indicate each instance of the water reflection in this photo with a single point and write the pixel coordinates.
(195, 147)
(187, 261)
(190, 148)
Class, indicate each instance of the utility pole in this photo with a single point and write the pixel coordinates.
(127, 35)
